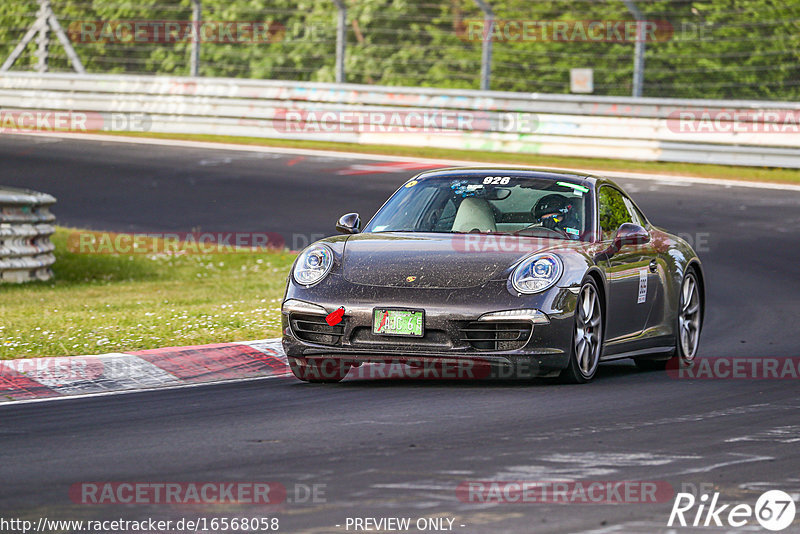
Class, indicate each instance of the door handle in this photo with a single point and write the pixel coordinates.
(653, 266)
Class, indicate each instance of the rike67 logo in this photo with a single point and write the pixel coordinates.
(774, 510)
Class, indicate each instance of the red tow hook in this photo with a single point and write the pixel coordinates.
(335, 317)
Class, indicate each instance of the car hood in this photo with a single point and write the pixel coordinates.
(403, 259)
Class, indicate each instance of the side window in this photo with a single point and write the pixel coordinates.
(612, 211)
(636, 215)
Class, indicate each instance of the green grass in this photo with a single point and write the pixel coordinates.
(760, 174)
(109, 303)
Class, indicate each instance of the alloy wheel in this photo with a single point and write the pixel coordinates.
(588, 331)
(689, 318)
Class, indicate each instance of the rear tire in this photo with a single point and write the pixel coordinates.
(687, 329)
(690, 320)
(325, 371)
(587, 336)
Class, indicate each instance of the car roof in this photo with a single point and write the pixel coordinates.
(583, 178)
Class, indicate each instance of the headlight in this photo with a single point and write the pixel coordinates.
(537, 273)
(313, 265)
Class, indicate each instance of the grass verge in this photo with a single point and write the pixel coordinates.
(110, 303)
(758, 174)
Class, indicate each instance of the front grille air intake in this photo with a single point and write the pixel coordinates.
(502, 335)
(314, 329)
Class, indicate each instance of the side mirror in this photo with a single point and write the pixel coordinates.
(630, 234)
(349, 224)
(627, 234)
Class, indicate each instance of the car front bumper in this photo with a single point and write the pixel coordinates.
(545, 351)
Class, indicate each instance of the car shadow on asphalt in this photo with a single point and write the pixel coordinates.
(612, 371)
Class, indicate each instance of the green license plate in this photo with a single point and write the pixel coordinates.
(393, 322)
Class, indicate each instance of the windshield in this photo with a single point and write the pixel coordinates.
(495, 204)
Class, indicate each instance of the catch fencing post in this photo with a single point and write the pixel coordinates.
(197, 19)
(341, 38)
(486, 44)
(45, 21)
(638, 51)
(43, 38)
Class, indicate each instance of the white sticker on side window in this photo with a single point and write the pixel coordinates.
(642, 286)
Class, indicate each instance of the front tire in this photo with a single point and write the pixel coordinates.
(587, 336)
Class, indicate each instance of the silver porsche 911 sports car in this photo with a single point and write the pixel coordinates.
(542, 272)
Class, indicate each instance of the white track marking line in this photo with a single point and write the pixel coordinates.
(127, 391)
(666, 179)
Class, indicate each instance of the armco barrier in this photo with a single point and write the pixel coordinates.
(754, 133)
(26, 252)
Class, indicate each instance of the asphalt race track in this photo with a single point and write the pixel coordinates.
(388, 448)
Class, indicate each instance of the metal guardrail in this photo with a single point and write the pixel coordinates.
(26, 252)
(564, 125)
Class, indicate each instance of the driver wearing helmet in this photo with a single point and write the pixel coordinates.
(556, 212)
